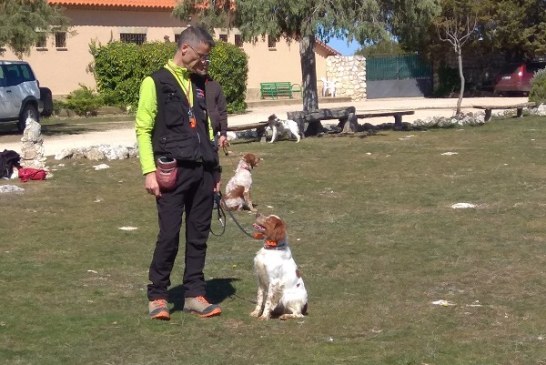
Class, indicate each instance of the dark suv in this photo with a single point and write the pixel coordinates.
(516, 78)
(21, 95)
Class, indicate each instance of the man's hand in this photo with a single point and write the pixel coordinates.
(223, 142)
(218, 186)
(151, 185)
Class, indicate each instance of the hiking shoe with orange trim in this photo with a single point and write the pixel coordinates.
(158, 309)
(200, 306)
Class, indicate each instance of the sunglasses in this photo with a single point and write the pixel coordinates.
(205, 58)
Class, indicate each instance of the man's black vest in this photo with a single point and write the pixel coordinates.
(173, 135)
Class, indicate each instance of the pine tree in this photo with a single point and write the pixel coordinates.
(298, 20)
(21, 20)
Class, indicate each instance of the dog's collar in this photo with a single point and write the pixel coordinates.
(275, 245)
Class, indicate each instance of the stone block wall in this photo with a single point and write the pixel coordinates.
(349, 72)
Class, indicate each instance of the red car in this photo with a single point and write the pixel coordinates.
(516, 78)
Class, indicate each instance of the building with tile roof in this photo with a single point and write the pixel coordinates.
(61, 61)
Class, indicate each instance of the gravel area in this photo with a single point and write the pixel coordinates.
(424, 107)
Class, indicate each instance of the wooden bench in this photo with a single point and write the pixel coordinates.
(259, 126)
(489, 108)
(397, 114)
(348, 118)
(276, 89)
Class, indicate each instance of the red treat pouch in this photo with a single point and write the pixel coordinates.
(166, 173)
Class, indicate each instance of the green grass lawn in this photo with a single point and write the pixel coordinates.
(370, 224)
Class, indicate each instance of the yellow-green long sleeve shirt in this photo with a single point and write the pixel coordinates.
(146, 113)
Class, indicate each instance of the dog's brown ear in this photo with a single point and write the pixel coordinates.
(278, 231)
(251, 159)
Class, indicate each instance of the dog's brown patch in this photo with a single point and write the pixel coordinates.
(275, 228)
(237, 192)
(251, 159)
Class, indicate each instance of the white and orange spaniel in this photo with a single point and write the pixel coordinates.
(238, 188)
(281, 290)
(280, 127)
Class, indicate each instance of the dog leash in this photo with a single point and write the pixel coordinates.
(240, 227)
(229, 157)
(221, 216)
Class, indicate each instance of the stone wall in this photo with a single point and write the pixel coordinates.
(349, 73)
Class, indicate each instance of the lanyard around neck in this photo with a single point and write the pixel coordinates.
(187, 89)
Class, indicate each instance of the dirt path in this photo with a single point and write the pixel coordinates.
(423, 107)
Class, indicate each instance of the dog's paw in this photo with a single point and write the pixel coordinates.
(289, 316)
(264, 317)
(255, 314)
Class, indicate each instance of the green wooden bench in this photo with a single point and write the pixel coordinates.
(276, 89)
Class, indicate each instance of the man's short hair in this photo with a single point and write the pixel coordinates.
(193, 35)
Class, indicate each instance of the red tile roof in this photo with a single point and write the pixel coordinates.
(158, 4)
(329, 50)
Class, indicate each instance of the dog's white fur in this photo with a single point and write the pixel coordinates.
(280, 287)
(238, 196)
(231, 136)
(280, 126)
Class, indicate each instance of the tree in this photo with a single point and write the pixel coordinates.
(22, 20)
(517, 27)
(294, 20)
(456, 25)
(411, 22)
(381, 48)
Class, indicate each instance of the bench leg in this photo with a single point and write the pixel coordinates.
(260, 131)
(519, 113)
(487, 115)
(397, 122)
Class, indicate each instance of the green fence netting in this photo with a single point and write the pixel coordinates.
(397, 68)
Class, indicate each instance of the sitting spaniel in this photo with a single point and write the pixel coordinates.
(238, 188)
(280, 286)
(280, 127)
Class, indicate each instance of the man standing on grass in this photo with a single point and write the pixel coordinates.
(172, 122)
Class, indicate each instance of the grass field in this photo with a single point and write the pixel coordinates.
(370, 224)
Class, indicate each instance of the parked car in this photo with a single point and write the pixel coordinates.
(516, 78)
(21, 95)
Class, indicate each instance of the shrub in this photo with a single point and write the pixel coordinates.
(229, 66)
(58, 106)
(119, 68)
(448, 81)
(83, 101)
(538, 87)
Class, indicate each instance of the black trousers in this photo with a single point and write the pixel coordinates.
(193, 196)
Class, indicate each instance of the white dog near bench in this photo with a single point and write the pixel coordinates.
(283, 127)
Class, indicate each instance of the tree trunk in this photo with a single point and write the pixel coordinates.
(309, 73)
(461, 76)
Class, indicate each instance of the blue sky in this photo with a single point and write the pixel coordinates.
(341, 46)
